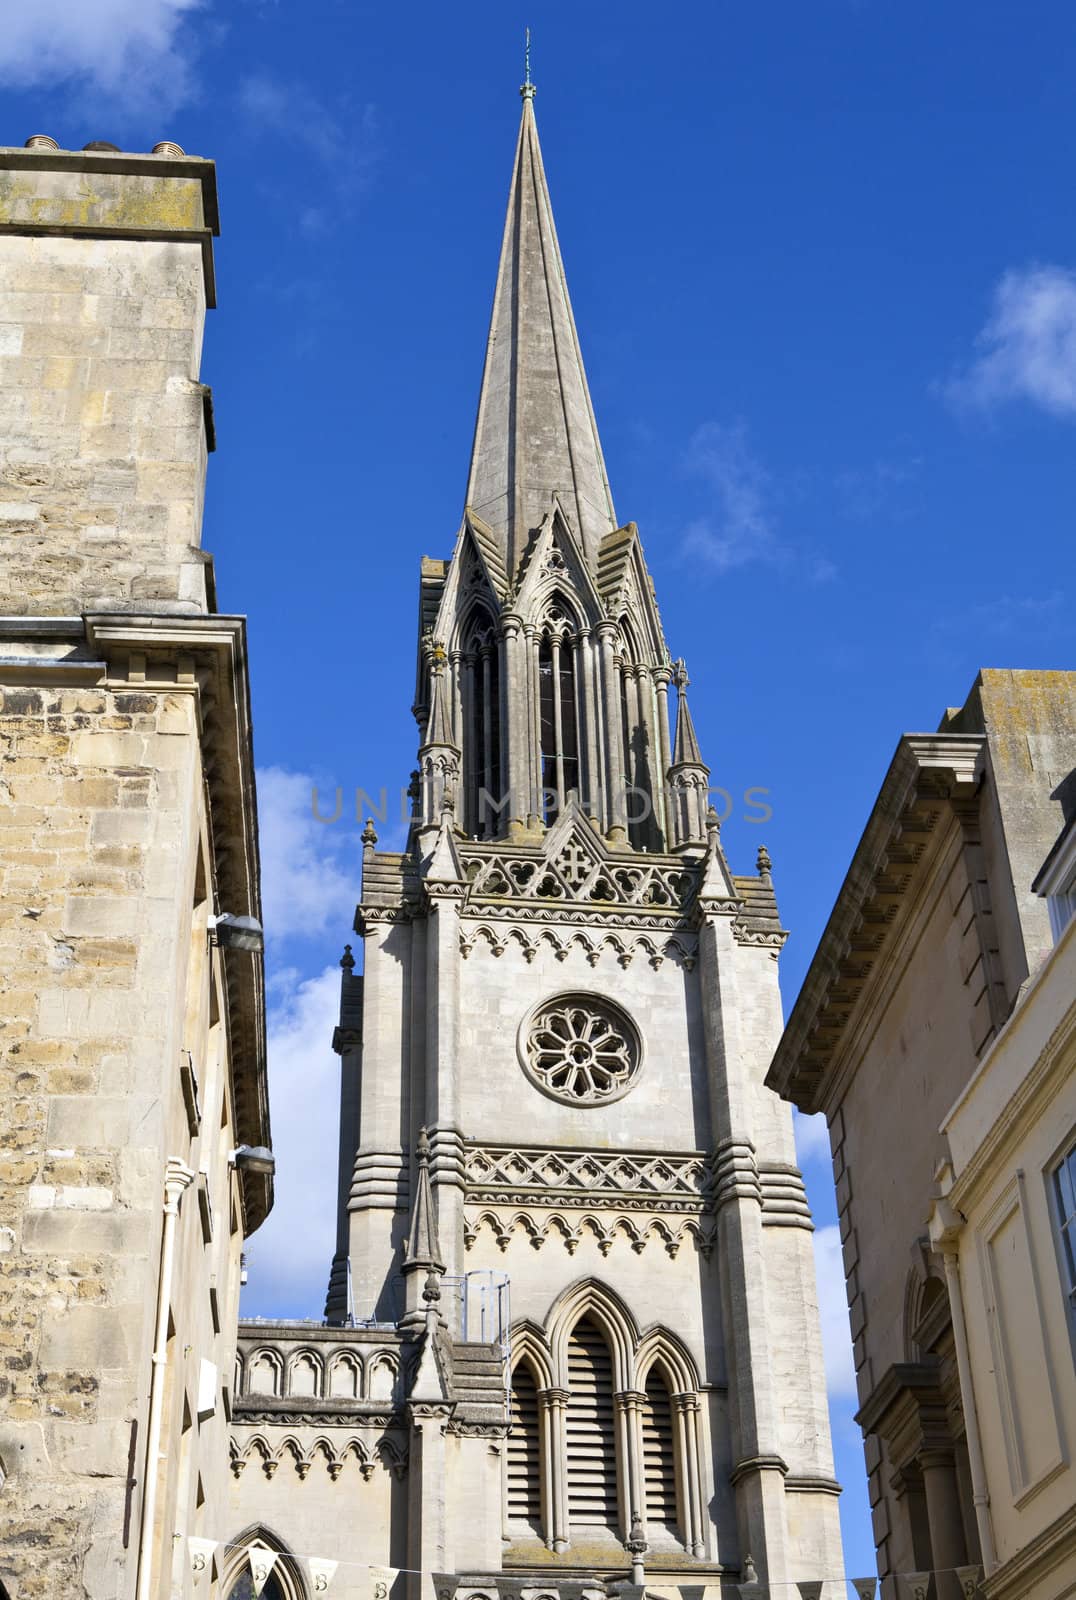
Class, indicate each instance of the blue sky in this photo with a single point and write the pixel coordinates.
(823, 261)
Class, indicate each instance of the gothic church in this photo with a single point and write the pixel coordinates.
(571, 1332)
(571, 1342)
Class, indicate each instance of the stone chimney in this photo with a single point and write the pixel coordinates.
(106, 270)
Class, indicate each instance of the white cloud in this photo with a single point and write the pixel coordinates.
(310, 869)
(342, 139)
(290, 1255)
(740, 527)
(137, 50)
(812, 1138)
(1028, 345)
(833, 1306)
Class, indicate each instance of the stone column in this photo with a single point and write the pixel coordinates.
(687, 1430)
(758, 1471)
(590, 787)
(536, 820)
(552, 1407)
(617, 828)
(442, 1069)
(948, 1550)
(428, 1547)
(662, 677)
(558, 730)
(516, 736)
(631, 1484)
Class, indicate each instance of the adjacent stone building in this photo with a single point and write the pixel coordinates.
(935, 1031)
(572, 1333)
(132, 1042)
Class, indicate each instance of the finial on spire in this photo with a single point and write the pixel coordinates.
(347, 960)
(526, 88)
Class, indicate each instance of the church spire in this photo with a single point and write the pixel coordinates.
(535, 435)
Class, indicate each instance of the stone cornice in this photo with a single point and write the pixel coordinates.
(928, 773)
(915, 1380)
(206, 655)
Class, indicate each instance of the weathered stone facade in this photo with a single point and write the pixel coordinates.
(917, 983)
(132, 1045)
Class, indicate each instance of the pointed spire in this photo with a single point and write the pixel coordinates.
(686, 752)
(535, 435)
(422, 1253)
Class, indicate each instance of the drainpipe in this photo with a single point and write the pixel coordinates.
(945, 1227)
(176, 1179)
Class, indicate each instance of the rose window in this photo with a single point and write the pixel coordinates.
(580, 1049)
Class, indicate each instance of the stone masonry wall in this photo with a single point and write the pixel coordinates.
(105, 979)
(102, 417)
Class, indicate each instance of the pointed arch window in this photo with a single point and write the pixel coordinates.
(524, 1453)
(481, 696)
(659, 1455)
(591, 1430)
(557, 704)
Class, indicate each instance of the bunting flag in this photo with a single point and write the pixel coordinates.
(918, 1584)
(810, 1589)
(201, 1555)
(322, 1573)
(262, 1562)
(381, 1582)
(866, 1588)
(752, 1591)
(968, 1578)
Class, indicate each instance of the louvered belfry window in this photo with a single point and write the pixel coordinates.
(659, 1459)
(591, 1430)
(524, 1451)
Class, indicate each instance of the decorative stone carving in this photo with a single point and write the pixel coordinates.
(580, 1049)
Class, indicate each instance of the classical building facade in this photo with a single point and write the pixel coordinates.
(1004, 1225)
(935, 1030)
(571, 1331)
(132, 1039)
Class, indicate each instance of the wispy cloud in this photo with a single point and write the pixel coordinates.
(137, 51)
(289, 1257)
(341, 139)
(310, 869)
(878, 489)
(1027, 346)
(1039, 615)
(740, 526)
(1030, 620)
(833, 1307)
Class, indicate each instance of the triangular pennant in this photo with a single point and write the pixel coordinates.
(810, 1589)
(865, 1588)
(381, 1582)
(200, 1552)
(322, 1573)
(262, 1562)
(752, 1591)
(918, 1584)
(968, 1579)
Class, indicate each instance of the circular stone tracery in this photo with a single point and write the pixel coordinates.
(580, 1049)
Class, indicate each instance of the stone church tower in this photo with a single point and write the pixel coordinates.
(571, 1323)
